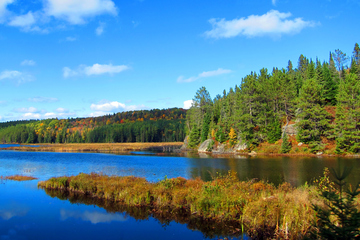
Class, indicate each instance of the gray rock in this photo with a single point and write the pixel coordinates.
(219, 149)
(204, 146)
(290, 129)
(240, 146)
(185, 146)
(319, 153)
(300, 144)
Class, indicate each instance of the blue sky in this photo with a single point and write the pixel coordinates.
(80, 58)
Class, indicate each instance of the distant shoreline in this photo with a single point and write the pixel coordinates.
(100, 147)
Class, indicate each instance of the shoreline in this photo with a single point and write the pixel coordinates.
(158, 147)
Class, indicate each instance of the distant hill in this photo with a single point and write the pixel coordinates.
(166, 125)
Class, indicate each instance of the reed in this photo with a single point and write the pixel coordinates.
(18, 178)
(262, 209)
(101, 147)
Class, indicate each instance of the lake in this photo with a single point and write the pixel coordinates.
(27, 212)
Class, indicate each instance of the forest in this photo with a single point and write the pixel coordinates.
(321, 98)
(167, 125)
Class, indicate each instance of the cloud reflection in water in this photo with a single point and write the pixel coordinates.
(94, 217)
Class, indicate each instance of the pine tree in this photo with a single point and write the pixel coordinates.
(329, 90)
(340, 218)
(205, 127)
(194, 137)
(348, 115)
(274, 131)
(314, 120)
(286, 145)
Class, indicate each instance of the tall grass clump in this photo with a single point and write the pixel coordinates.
(258, 208)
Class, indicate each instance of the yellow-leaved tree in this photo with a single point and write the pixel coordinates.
(232, 137)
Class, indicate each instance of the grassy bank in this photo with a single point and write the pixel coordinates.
(102, 147)
(18, 178)
(262, 210)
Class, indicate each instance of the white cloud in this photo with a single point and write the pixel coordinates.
(76, 11)
(188, 104)
(3, 9)
(26, 116)
(62, 110)
(43, 99)
(273, 2)
(105, 107)
(28, 63)
(100, 29)
(272, 23)
(95, 69)
(15, 76)
(26, 110)
(70, 39)
(207, 74)
(25, 20)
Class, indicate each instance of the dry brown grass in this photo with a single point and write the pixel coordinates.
(18, 178)
(101, 147)
(264, 211)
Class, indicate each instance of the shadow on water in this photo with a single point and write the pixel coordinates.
(294, 170)
(209, 228)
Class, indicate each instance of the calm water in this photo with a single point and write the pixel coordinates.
(30, 213)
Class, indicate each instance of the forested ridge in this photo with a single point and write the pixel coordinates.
(166, 125)
(320, 99)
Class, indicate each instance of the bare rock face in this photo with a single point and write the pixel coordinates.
(290, 129)
(219, 149)
(240, 146)
(185, 146)
(204, 146)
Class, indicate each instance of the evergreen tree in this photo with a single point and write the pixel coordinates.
(314, 120)
(340, 217)
(348, 115)
(329, 90)
(194, 138)
(274, 131)
(205, 127)
(286, 145)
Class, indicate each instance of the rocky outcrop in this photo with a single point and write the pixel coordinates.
(185, 146)
(240, 146)
(205, 146)
(290, 129)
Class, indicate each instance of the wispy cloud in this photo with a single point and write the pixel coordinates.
(273, 2)
(100, 29)
(70, 39)
(26, 110)
(272, 23)
(4, 12)
(77, 11)
(72, 12)
(26, 113)
(93, 217)
(15, 76)
(43, 99)
(95, 69)
(217, 72)
(28, 63)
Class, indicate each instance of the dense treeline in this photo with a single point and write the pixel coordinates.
(167, 125)
(321, 97)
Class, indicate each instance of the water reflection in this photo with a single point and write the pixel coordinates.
(118, 212)
(295, 170)
(14, 209)
(94, 217)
